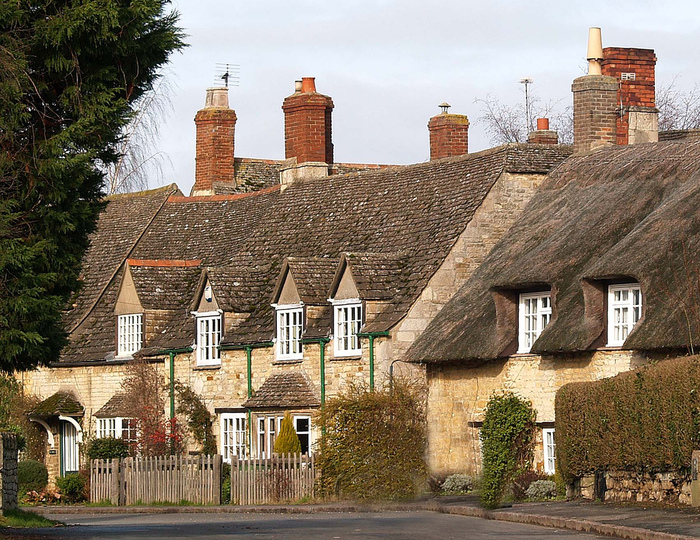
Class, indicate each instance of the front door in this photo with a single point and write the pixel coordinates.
(70, 461)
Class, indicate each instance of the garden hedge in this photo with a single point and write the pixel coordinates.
(647, 419)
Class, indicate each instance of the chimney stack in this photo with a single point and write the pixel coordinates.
(449, 134)
(307, 124)
(595, 101)
(634, 70)
(543, 135)
(216, 126)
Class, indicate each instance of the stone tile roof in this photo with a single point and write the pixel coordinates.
(378, 276)
(116, 406)
(312, 277)
(287, 389)
(164, 285)
(119, 228)
(419, 210)
(61, 403)
(621, 212)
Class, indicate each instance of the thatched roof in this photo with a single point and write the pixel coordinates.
(620, 212)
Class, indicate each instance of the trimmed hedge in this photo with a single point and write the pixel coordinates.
(31, 476)
(107, 448)
(643, 419)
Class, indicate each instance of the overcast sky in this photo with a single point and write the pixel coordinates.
(387, 64)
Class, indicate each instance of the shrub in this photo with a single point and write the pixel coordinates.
(31, 476)
(507, 437)
(374, 443)
(107, 448)
(523, 481)
(72, 487)
(287, 442)
(643, 419)
(458, 483)
(199, 419)
(540, 490)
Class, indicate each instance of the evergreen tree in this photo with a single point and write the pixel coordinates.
(71, 74)
(287, 442)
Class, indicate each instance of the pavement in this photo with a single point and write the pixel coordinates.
(634, 521)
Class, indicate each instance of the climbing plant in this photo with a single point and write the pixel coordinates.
(507, 438)
(199, 419)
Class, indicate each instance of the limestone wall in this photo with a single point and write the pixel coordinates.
(634, 486)
(458, 395)
(8, 471)
(493, 218)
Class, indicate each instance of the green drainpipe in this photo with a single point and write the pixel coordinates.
(372, 336)
(249, 374)
(172, 353)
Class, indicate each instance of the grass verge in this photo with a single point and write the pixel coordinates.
(24, 518)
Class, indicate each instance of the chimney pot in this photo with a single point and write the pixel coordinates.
(217, 98)
(542, 124)
(297, 86)
(308, 85)
(595, 51)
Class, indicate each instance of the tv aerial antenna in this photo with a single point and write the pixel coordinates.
(227, 75)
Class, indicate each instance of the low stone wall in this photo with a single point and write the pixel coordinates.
(633, 486)
(8, 471)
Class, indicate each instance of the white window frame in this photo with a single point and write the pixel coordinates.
(347, 321)
(549, 450)
(532, 322)
(623, 314)
(208, 326)
(129, 334)
(114, 426)
(234, 435)
(290, 327)
(296, 418)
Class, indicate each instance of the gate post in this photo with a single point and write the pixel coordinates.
(8, 471)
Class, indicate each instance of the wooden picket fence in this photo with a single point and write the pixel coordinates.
(283, 477)
(146, 480)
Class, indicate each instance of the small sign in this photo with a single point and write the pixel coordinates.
(52, 452)
(628, 76)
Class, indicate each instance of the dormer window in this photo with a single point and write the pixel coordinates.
(208, 339)
(347, 321)
(624, 310)
(129, 334)
(534, 314)
(290, 324)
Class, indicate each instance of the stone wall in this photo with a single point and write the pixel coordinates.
(631, 486)
(8, 471)
(457, 397)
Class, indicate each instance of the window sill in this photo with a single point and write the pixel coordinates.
(206, 367)
(348, 357)
(285, 361)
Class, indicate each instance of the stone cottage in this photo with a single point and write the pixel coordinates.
(594, 278)
(276, 283)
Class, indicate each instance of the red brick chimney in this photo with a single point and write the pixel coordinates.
(216, 125)
(307, 124)
(634, 70)
(449, 134)
(543, 135)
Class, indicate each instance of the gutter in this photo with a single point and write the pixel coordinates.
(372, 336)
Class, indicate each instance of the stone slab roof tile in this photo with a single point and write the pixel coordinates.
(287, 389)
(61, 403)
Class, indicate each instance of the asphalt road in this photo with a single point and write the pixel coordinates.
(331, 526)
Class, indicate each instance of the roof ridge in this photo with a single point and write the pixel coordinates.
(142, 193)
(182, 198)
(165, 263)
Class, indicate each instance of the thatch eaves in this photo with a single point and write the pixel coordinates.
(620, 212)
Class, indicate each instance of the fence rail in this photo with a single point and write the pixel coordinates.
(284, 477)
(156, 479)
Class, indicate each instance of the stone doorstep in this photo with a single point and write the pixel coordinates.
(582, 525)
